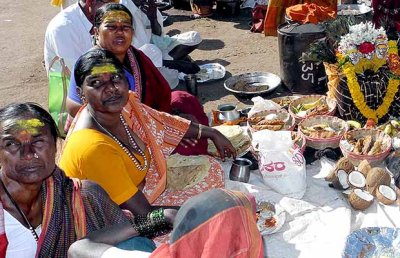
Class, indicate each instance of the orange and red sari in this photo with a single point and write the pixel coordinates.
(197, 228)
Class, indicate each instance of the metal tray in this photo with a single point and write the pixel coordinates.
(256, 79)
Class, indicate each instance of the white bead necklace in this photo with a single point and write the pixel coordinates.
(123, 146)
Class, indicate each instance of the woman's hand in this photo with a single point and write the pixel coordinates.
(223, 145)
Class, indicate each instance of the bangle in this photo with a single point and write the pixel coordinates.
(152, 225)
(199, 132)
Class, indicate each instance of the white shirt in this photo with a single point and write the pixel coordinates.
(21, 243)
(67, 3)
(67, 36)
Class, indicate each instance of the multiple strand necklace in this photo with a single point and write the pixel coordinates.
(30, 227)
(123, 146)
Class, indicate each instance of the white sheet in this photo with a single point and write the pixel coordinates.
(317, 225)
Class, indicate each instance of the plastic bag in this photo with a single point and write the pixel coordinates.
(261, 104)
(281, 163)
(58, 91)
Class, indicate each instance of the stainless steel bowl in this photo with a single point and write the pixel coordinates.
(361, 12)
(266, 82)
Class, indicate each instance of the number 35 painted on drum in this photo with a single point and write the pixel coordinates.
(307, 76)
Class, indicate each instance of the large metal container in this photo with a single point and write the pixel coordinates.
(293, 40)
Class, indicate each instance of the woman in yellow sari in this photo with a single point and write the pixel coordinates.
(117, 141)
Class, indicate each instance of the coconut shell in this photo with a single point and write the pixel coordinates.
(383, 199)
(337, 183)
(358, 203)
(343, 163)
(364, 167)
(376, 177)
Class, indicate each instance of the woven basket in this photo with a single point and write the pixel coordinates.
(289, 99)
(374, 160)
(308, 99)
(323, 143)
(373, 86)
(282, 114)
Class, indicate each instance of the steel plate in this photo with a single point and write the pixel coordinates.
(255, 79)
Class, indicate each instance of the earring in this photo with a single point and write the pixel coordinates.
(35, 155)
(94, 40)
(83, 99)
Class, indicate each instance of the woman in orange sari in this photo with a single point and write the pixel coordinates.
(223, 227)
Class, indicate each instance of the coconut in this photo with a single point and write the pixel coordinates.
(364, 167)
(360, 200)
(377, 176)
(340, 180)
(386, 195)
(357, 179)
(342, 164)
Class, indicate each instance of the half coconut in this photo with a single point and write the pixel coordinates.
(340, 181)
(360, 200)
(386, 195)
(357, 179)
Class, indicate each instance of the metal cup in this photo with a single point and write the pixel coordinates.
(228, 112)
(240, 170)
(191, 83)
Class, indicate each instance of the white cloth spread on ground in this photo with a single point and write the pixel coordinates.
(319, 223)
(67, 36)
(21, 243)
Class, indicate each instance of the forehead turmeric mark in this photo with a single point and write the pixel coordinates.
(30, 126)
(105, 68)
(116, 16)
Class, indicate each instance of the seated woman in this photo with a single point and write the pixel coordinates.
(42, 212)
(113, 31)
(118, 141)
(224, 227)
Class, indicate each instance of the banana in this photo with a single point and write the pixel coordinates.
(353, 124)
(388, 129)
(395, 124)
(307, 106)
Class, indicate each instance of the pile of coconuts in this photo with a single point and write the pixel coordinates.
(362, 184)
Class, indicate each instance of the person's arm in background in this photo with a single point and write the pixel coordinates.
(74, 102)
(149, 7)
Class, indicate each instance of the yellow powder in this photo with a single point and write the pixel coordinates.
(105, 68)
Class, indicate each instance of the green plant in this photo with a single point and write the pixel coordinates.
(324, 50)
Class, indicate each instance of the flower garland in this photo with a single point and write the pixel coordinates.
(393, 58)
(359, 99)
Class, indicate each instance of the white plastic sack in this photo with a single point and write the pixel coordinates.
(261, 104)
(282, 165)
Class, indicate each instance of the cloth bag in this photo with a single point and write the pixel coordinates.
(58, 91)
(281, 163)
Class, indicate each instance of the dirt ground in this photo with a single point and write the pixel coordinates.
(226, 40)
